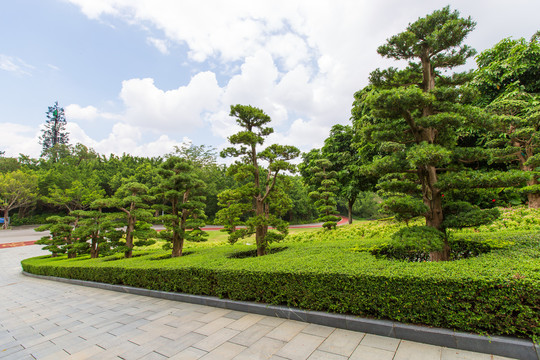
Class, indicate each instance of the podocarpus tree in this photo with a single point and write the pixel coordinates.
(508, 78)
(325, 194)
(62, 239)
(259, 182)
(132, 200)
(100, 229)
(17, 189)
(414, 116)
(180, 193)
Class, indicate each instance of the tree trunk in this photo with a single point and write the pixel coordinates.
(129, 236)
(443, 255)
(433, 200)
(427, 72)
(534, 198)
(350, 204)
(6, 219)
(178, 244)
(94, 247)
(260, 230)
(71, 254)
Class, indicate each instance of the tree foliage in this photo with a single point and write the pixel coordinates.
(17, 189)
(508, 78)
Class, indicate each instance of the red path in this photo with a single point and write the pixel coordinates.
(343, 221)
(15, 244)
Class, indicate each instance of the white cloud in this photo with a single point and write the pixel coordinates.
(160, 44)
(302, 134)
(125, 138)
(77, 112)
(16, 138)
(178, 109)
(88, 113)
(14, 65)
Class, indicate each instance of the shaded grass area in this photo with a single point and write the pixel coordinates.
(495, 293)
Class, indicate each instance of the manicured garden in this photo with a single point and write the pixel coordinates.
(491, 287)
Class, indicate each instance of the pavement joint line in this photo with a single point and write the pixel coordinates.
(496, 345)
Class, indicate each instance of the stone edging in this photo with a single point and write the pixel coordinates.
(497, 345)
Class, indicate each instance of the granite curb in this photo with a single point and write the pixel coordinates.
(496, 345)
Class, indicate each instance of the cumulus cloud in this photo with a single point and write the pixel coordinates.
(181, 108)
(88, 113)
(125, 138)
(16, 138)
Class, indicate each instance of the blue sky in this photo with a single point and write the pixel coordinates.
(143, 76)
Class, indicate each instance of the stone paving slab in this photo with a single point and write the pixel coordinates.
(52, 320)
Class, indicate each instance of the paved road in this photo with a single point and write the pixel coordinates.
(41, 319)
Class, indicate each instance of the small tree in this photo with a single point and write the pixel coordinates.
(180, 190)
(59, 240)
(54, 134)
(62, 239)
(259, 182)
(325, 180)
(17, 189)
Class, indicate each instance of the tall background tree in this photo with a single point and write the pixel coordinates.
(508, 79)
(258, 173)
(54, 133)
(17, 189)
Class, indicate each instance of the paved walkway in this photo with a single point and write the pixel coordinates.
(41, 319)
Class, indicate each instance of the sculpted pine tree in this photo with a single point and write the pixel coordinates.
(325, 194)
(259, 182)
(133, 201)
(414, 117)
(54, 134)
(180, 190)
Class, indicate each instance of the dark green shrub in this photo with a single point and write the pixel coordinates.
(411, 243)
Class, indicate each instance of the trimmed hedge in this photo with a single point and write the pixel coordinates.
(496, 293)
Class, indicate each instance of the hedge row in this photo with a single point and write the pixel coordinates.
(496, 293)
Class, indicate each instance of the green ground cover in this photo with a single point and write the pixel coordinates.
(496, 292)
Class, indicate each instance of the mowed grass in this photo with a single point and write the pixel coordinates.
(218, 238)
